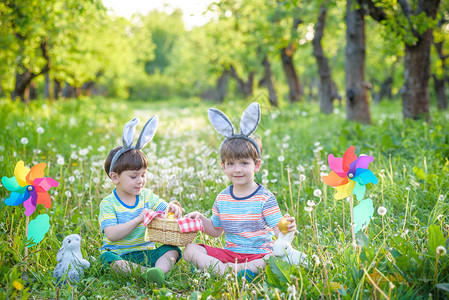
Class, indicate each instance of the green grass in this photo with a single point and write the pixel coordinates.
(396, 254)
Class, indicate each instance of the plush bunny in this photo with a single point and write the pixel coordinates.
(70, 259)
(147, 134)
(248, 124)
(283, 248)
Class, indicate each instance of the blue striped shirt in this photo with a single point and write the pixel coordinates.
(247, 222)
(113, 212)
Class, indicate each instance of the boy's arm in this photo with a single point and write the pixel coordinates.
(209, 228)
(119, 231)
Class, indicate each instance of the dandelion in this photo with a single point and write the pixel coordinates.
(72, 179)
(281, 158)
(96, 180)
(311, 203)
(24, 140)
(83, 152)
(1, 158)
(37, 151)
(308, 209)
(74, 156)
(302, 177)
(316, 144)
(316, 259)
(40, 130)
(101, 149)
(317, 193)
(441, 250)
(382, 211)
(300, 168)
(68, 194)
(17, 285)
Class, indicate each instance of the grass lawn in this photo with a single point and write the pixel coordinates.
(395, 257)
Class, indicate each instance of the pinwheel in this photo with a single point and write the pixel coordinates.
(349, 174)
(29, 187)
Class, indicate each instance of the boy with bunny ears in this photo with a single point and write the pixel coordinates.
(246, 212)
(122, 212)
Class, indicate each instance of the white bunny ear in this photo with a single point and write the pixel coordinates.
(60, 254)
(288, 237)
(148, 132)
(128, 132)
(221, 122)
(250, 119)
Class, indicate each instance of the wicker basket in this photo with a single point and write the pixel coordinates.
(167, 232)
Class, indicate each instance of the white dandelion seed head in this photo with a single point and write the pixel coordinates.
(381, 210)
(60, 160)
(441, 250)
(72, 179)
(24, 140)
(300, 168)
(302, 177)
(317, 193)
(68, 194)
(308, 209)
(281, 158)
(311, 203)
(40, 130)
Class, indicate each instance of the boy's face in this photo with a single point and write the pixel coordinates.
(130, 182)
(241, 171)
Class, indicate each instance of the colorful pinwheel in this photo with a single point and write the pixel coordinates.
(29, 186)
(349, 174)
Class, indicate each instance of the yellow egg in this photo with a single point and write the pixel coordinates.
(170, 216)
(283, 225)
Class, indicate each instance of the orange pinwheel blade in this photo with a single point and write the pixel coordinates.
(334, 180)
(21, 172)
(36, 172)
(344, 191)
(44, 198)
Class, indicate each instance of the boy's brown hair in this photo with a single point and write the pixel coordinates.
(130, 160)
(238, 148)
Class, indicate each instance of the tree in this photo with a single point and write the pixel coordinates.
(413, 23)
(357, 106)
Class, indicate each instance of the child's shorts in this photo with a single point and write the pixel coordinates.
(225, 255)
(146, 258)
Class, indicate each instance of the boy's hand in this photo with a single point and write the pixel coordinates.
(292, 225)
(176, 209)
(194, 215)
(143, 213)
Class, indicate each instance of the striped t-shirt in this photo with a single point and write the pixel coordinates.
(247, 222)
(113, 212)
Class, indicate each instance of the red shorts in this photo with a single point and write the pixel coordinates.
(226, 256)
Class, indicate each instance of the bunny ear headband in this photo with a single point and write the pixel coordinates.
(248, 124)
(145, 137)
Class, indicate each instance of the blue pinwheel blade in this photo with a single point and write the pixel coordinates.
(359, 191)
(363, 214)
(17, 198)
(364, 176)
(12, 185)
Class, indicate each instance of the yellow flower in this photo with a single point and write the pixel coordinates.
(18, 285)
(74, 164)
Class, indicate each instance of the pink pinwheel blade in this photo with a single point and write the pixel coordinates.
(17, 198)
(335, 164)
(29, 207)
(45, 183)
(348, 158)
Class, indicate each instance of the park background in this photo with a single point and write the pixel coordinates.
(328, 75)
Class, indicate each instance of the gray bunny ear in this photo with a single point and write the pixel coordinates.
(250, 119)
(221, 122)
(148, 132)
(128, 132)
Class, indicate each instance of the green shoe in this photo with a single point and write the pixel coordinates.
(154, 275)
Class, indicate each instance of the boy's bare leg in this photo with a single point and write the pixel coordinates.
(197, 255)
(124, 266)
(167, 261)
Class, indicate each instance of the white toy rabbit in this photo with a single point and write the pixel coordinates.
(70, 259)
(283, 248)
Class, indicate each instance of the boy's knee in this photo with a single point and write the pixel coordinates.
(189, 250)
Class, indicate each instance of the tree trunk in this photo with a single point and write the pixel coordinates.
(47, 89)
(357, 107)
(269, 82)
(245, 87)
(24, 75)
(57, 89)
(295, 87)
(439, 83)
(327, 90)
(384, 91)
(222, 86)
(416, 99)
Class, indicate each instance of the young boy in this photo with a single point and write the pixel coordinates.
(121, 216)
(246, 212)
